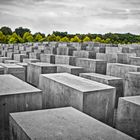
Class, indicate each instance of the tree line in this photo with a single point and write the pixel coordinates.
(23, 35)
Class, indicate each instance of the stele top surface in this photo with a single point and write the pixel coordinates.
(107, 77)
(65, 124)
(9, 84)
(77, 82)
(132, 99)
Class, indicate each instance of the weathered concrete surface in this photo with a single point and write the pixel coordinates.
(69, 69)
(93, 98)
(16, 96)
(132, 84)
(11, 61)
(134, 61)
(63, 59)
(35, 69)
(128, 116)
(109, 57)
(85, 54)
(2, 59)
(121, 70)
(63, 124)
(20, 57)
(92, 65)
(109, 80)
(25, 68)
(62, 50)
(113, 50)
(124, 57)
(10, 55)
(34, 55)
(48, 58)
(1, 70)
(15, 70)
(30, 60)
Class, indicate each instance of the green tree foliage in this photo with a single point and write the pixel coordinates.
(64, 39)
(28, 37)
(86, 39)
(38, 37)
(75, 39)
(6, 30)
(20, 31)
(22, 35)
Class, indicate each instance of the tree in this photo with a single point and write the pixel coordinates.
(75, 39)
(61, 34)
(38, 37)
(58, 38)
(64, 39)
(97, 39)
(86, 39)
(51, 38)
(2, 37)
(27, 37)
(6, 30)
(20, 31)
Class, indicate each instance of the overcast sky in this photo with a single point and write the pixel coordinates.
(74, 16)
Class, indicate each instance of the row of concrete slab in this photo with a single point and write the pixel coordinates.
(95, 97)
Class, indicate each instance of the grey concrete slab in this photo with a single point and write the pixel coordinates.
(63, 123)
(109, 80)
(11, 61)
(93, 98)
(48, 58)
(16, 96)
(25, 68)
(109, 57)
(132, 86)
(20, 57)
(69, 69)
(124, 57)
(64, 59)
(128, 116)
(35, 69)
(85, 54)
(92, 65)
(134, 61)
(30, 60)
(15, 70)
(1, 70)
(2, 59)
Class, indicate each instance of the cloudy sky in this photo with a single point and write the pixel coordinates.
(74, 16)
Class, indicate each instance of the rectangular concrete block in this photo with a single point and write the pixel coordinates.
(34, 55)
(92, 65)
(30, 60)
(1, 70)
(63, 59)
(35, 69)
(63, 50)
(128, 116)
(2, 59)
(93, 98)
(11, 61)
(109, 57)
(15, 70)
(69, 69)
(63, 123)
(124, 57)
(109, 80)
(16, 96)
(132, 84)
(113, 50)
(134, 61)
(48, 58)
(85, 54)
(121, 70)
(10, 55)
(20, 57)
(25, 68)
